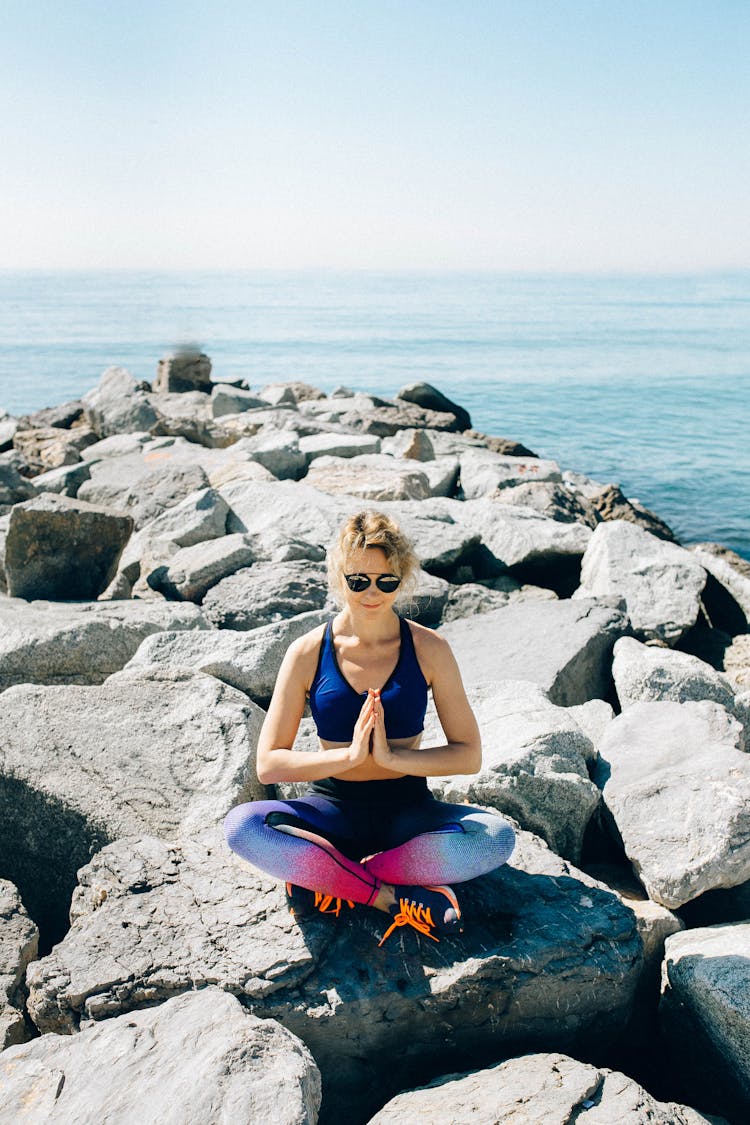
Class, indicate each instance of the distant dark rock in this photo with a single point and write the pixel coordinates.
(424, 394)
(62, 416)
(612, 504)
(187, 371)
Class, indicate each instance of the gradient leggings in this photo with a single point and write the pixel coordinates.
(358, 835)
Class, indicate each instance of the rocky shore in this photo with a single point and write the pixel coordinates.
(160, 547)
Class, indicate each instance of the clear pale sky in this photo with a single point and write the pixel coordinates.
(522, 135)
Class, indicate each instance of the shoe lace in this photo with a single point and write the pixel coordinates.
(327, 904)
(411, 914)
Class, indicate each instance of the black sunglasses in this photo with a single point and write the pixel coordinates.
(357, 583)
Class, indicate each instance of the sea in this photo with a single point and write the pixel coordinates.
(642, 381)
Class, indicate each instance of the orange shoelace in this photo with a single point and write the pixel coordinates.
(327, 904)
(411, 914)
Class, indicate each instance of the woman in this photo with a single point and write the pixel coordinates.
(369, 830)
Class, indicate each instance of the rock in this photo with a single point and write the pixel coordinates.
(119, 404)
(187, 371)
(239, 470)
(62, 416)
(265, 592)
(661, 582)
(611, 504)
(547, 952)
(647, 674)
(45, 449)
(120, 445)
(737, 662)
(732, 573)
(552, 500)
(271, 510)
(279, 452)
(374, 477)
(524, 538)
(188, 416)
(200, 516)
(4, 521)
(198, 1057)
(63, 643)
(67, 479)
(535, 1089)
(8, 427)
(14, 488)
(427, 603)
(411, 445)
(705, 1014)
(338, 445)
(423, 394)
(294, 391)
(389, 418)
(456, 444)
(593, 717)
(19, 945)
(472, 598)
(563, 646)
(225, 400)
(534, 764)
(192, 571)
(63, 549)
(151, 750)
(245, 659)
(677, 785)
(484, 473)
(144, 484)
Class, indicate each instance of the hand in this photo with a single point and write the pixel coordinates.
(362, 736)
(381, 751)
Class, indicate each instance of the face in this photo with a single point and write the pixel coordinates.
(373, 562)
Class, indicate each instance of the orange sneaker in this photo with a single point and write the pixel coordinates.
(425, 909)
(303, 902)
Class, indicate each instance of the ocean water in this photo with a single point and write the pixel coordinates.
(640, 380)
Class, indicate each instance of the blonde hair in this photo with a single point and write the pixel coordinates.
(373, 529)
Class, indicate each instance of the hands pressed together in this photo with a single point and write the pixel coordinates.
(369, 733)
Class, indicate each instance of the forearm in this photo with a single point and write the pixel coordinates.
(435, 761)
(301, 765)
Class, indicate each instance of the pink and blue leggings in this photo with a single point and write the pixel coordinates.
(377, 832)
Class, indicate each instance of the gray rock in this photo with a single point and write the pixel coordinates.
(119, 404)
(8, 427)
(198, 1057)
(294, 391)
(372, 476)
(661, 582)
(187, 371)
(737, 662)
(4, 521)
(67, 479)
(120, 445)
(730, 571)
(705, 1013)
(149, 751)
(389, 418)
(266, 592)
(62, 643)
(144, 483)
(14, 488)
(551, 499)
(62, 416)
(593, 717)
(226, 400)
(200, 516)
(523, 537)
(677, 784)
(63, 549)
(547, 952)
(427, 603)
(472, 598)
(19, 945)
(534, 764)
(273, 510)
(338, 445)
(188, 416)
(47, 448)
(647, 674)
(279, 452)
(423, 394)
(192, 571)
(245, 659)
(484, 472)
(536, 1089)
(563, 646)
(413, 445)
(611, 504)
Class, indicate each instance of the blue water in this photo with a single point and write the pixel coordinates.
(644, 381)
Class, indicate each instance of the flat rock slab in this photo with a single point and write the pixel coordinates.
(705, 1012)
(266, 592)
(519, 536)
(246, 659)
(548, 955)
(677, 784)
(542, 1089)
(534, 764)
(19, 944)
(199, 1057)
(484, 472)
(563, 646)
(80, 643)
(192, 571)
(661, 582)
(148, 751)
(63, 549)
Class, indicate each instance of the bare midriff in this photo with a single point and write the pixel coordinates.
(370, 770)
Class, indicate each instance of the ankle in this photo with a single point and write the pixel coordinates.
(385, 898)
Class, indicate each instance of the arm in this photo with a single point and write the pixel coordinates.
(276, 761)
(462, 753)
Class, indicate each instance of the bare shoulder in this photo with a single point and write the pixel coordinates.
(433, 651)
(302, 654)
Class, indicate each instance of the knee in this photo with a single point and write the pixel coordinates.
(497, 835)
(240, 826)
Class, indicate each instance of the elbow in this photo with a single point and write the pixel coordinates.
(474, 762)
(265, 771)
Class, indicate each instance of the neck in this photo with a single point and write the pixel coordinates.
(367, 626)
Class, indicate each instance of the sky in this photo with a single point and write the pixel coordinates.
(530, 135)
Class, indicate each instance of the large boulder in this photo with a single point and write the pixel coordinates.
(534, 764)
(50, 447)
(705, 1014)
(529, 541)
(338, 445)
(67, 479)
(19, 945)
(187, 371)
(649, 673)
(144, 482)
(550, 499)
(62, 643)
(246, 659)
(549, 955)
(661, 582)
(266, 592)
(150, 750)
(732, 573)
(198, 1057)
(8, 427)
(538, 1089)
(377, 476)
(677, 785)
(119, 404)
(424, 394)
(612, 504)
(484, 472)
(63, 549)
(472, 597)
(200, 516)
(14, 488)
(192, 571)
(563, 646)
(232, 400)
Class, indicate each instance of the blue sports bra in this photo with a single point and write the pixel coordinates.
(335, 705)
